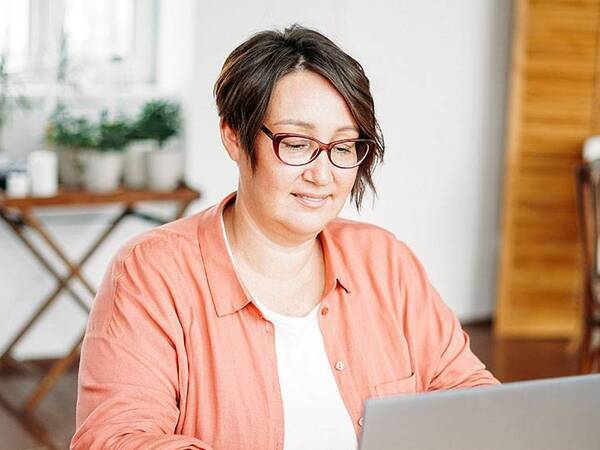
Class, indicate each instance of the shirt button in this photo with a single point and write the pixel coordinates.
(340, 365)
(361, 421)
(324, 310)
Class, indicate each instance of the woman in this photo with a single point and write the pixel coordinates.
(265, 322)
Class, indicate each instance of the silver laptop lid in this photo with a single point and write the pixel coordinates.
(552, 414)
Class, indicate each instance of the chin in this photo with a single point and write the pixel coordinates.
(303, 228)
(306, 220)
(306, 223)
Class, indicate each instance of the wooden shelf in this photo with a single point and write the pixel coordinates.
(80, 197)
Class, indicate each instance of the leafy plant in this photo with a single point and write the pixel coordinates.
(64, 130)
(114, 134)
(158, 120)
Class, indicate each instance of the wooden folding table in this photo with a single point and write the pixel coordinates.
(19, 214)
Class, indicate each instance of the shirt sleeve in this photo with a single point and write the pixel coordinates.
(444, 359)
(130, 369)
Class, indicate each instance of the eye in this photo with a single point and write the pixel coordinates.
(344, 148)
(295, 144)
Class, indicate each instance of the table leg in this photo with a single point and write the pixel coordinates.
(75, 269)
(181, 210)
(63, 282)
(61, 365)
(51, 377)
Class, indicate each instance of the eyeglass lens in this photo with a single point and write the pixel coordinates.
(298, 150)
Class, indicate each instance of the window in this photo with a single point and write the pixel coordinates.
(14, 34)
(83, 42)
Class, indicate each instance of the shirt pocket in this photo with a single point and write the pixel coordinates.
(407, 385)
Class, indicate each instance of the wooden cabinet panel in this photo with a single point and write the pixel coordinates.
(553, 108)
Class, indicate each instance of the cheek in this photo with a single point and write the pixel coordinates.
(347, 179)
(271, 174)
(277, 180)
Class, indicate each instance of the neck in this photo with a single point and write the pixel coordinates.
(265, 253)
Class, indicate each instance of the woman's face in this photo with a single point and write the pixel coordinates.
(297, 202)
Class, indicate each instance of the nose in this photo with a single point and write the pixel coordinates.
(319, 170)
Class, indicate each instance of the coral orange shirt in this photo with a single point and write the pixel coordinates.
(176, 355)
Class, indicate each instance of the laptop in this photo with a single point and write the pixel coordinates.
(550, 414)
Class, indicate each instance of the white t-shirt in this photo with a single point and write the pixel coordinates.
(315, 416)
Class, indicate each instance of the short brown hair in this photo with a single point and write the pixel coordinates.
(243, 89)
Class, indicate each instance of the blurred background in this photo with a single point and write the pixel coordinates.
(485, 106)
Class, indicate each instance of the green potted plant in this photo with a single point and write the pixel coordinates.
(158, 120)
(103, 165)
(69, 136)
(154, 158)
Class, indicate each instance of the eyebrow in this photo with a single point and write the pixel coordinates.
(310, 126)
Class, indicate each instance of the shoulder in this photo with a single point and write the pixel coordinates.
(162, 246)
(361, 233)
(366, 238)
(369, 244)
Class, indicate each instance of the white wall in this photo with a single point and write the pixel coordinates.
(438, 71)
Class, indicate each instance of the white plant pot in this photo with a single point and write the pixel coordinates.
(136, 175)
(172, 144)
(42, 166)
(102, 171)
(69, 166)
(165, 169)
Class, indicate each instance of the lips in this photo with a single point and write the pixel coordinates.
(311, 196)
(311, 199)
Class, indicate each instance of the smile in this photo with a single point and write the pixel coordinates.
(311, 201)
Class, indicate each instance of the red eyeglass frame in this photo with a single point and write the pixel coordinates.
(323, 147)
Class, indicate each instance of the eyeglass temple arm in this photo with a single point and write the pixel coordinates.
(268, 132)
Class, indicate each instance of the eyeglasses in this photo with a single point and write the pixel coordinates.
(299, 150)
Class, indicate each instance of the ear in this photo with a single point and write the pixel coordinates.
(231, 141)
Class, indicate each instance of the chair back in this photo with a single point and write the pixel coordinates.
(588, 205)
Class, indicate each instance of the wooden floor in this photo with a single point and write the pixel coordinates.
(52, 426)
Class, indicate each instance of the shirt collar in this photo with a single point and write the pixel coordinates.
(227, 291)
